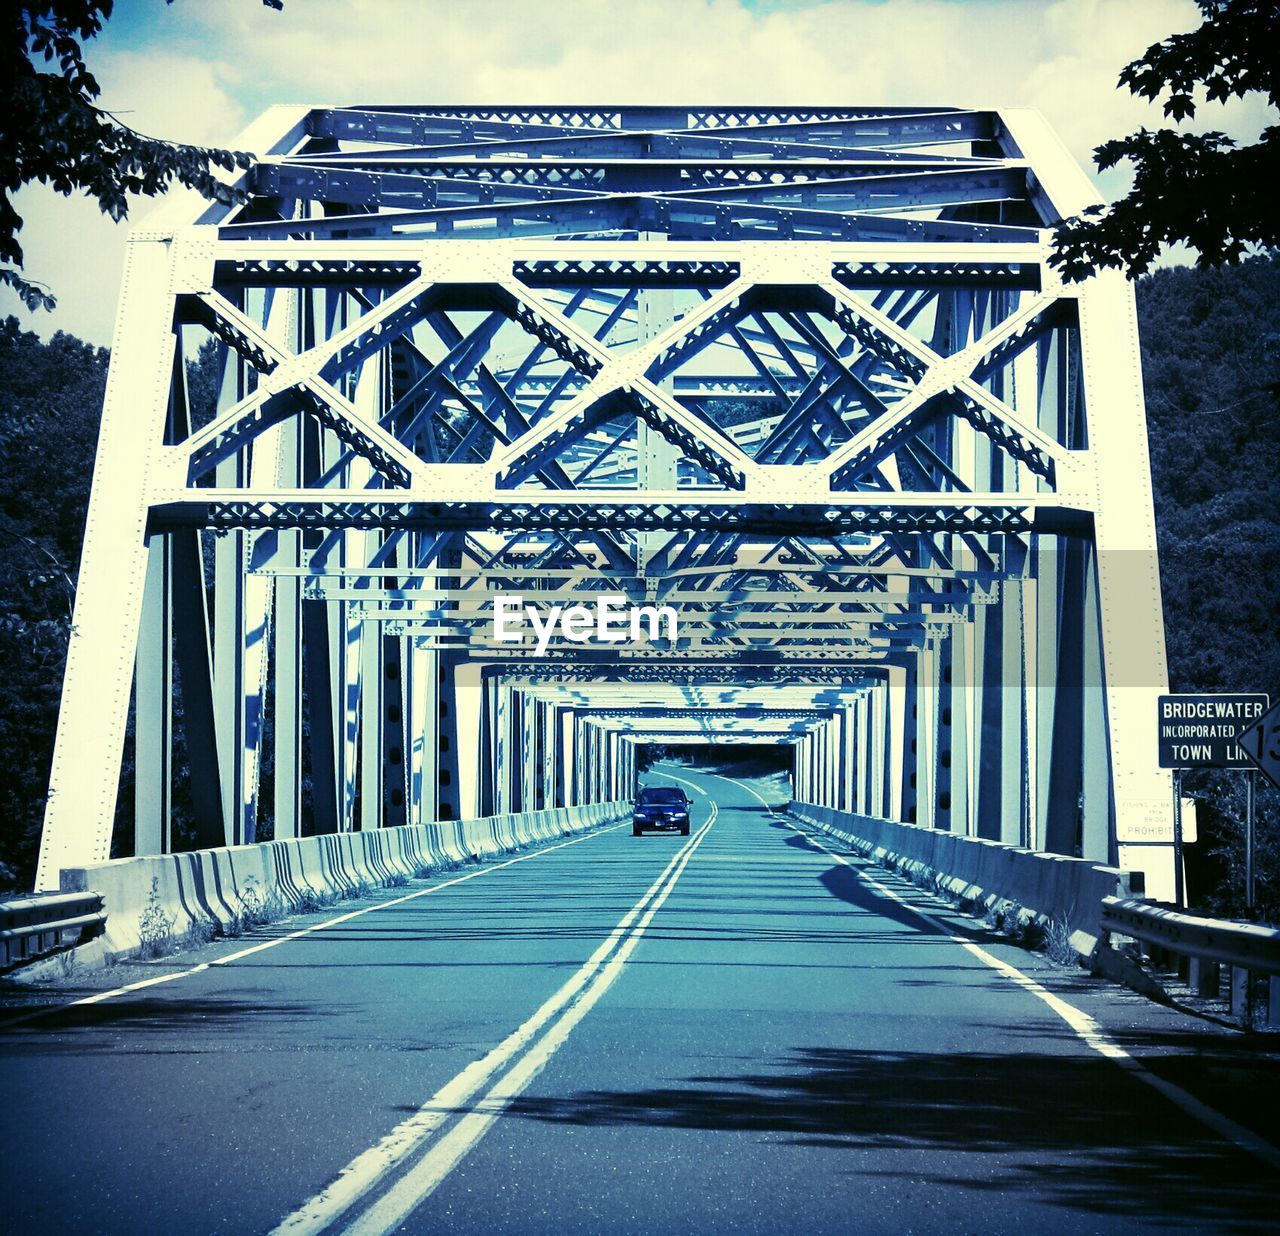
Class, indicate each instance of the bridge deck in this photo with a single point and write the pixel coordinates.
(785, 1045)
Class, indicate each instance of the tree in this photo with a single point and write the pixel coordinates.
(50, 400)
(52, 130)
(1211, 371)
(1199, 189)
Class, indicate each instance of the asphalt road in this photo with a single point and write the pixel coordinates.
(735, 1032)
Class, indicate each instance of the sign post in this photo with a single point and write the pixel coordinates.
(1209, 731)
(1250, 796)
(1179, 893)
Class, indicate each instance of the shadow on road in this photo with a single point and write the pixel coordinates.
(1051, 1126)
(843, 882)
(36, 1030)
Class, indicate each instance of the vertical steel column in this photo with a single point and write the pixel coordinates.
(526, 750)
(448, 793)
(192, 654)
(1013, 723)
(1133, 669)
(1095, 775)
(989, 637)
(1062, 834)
(613, 790)
(944, 715)
(504, 749)
(927, 731)
(113, 568)
(550, 743)
(488, 739)
(912, 774)
(573, 758)
(286, 624)
(848, 761)
(229, 613)
(346, 633)
(395, 785)
(560, 772)
(372, 716)
(879, 747)
(153, 706)
(286, 671)
(820, 763)
(317, 672)
(423, 723)
(961, 705)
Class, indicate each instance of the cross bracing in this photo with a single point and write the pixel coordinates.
(803, 374)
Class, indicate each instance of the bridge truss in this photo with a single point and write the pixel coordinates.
(802, 374)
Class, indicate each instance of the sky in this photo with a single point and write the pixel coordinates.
(201, 70)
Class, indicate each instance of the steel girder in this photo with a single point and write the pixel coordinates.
(802, 373)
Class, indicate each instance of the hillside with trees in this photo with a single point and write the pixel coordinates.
(1211, 369)
(50, 403)
(1211, 362)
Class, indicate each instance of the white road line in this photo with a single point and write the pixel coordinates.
(98, 997)
(371, 1166)
(391, 1210)
(1086, 1028)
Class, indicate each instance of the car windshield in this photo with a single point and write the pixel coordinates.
(661, 794)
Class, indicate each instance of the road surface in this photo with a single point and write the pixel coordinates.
(740, 1031)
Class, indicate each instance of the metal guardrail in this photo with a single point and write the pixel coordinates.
(42, 922)
(1242, 945)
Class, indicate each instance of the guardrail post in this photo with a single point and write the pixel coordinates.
(1205, 977)
(1241, 995)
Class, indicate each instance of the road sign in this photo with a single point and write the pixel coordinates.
(1261, 743)
(1203, 731)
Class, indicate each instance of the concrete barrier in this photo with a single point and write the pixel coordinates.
(156, 904)
(1051, 888)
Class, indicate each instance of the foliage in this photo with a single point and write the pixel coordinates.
(52, 130)
(1198, 189)
(50, 401)
(155, 928)
(1211, 368)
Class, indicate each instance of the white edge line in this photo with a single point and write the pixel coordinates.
(1085, 1027)
(97, 998)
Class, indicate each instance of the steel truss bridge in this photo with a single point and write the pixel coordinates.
(803, 374)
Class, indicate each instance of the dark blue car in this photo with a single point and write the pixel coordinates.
(663, 808)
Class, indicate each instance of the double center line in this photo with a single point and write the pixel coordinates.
(441, 1132)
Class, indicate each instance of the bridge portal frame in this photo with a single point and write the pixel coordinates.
(1048, 687)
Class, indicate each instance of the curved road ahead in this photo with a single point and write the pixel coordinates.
(740, 1031)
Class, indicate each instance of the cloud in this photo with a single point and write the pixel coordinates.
(200, 72)
(68, 243)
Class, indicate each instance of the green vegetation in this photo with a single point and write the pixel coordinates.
(1211, 357)
(1198, 189)
(1211, 367)
(155, 929)
(50, 402)
(54, 131)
